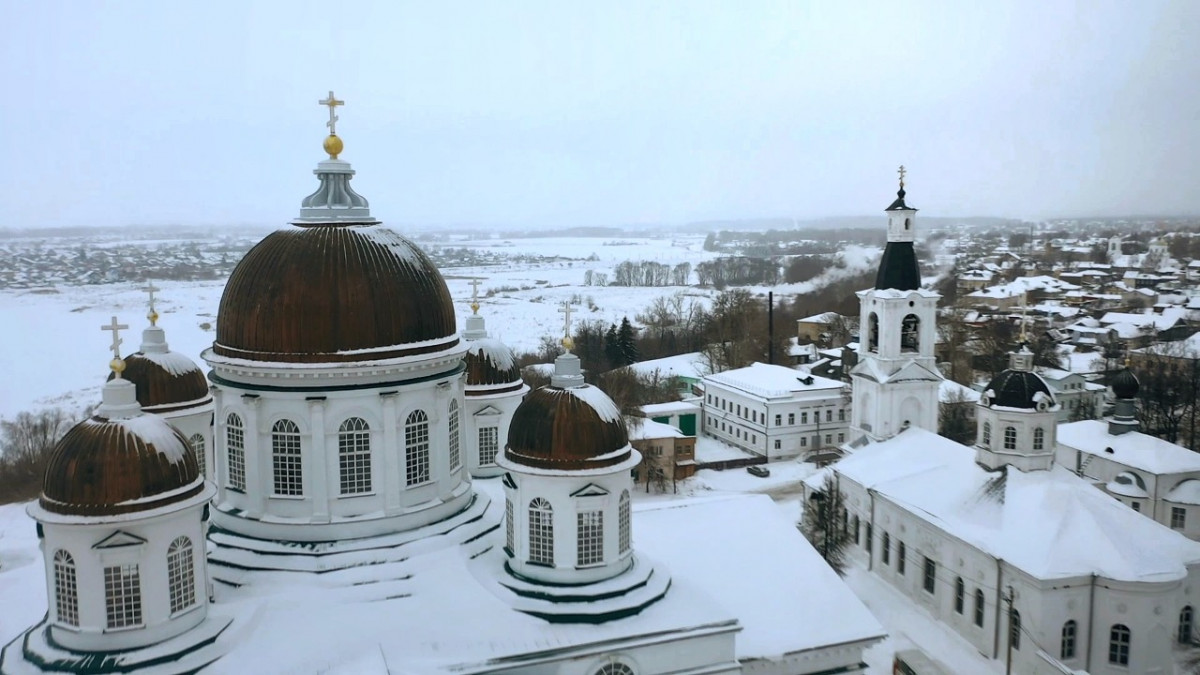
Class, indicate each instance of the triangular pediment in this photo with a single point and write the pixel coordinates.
(487, 410)
(590, 490)
(119, 539)
(914, 372)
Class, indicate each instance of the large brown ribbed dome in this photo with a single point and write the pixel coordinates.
(572, 428)
(490, 364)
(165, 381)
(107, 467)
(334, 293)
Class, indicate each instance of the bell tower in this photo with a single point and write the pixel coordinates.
(896, 379)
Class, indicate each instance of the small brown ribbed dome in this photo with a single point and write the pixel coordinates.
(165, 381)
(334, 293)
(107, 467)
(490, 362)
(573, 428)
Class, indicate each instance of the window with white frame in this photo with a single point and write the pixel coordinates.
(181, 575)
(623, 534)
(416, 448)
(1066, 649)
(509, 532)
(614, 669)
(123, 595)
(791, 418)
(1039, 438)
(66, 590)
(1119, 638)
(987, 433)
(197, 443)
(590, 537)
(1178, 517)
(354, 456)
(235, 449)
(1014, 629)
(541, 532)
(489, 445)
(286, 459)
(1010, 438)
(455, 453)
(779, 420)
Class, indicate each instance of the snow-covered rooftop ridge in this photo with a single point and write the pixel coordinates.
(670, 408)
(1052, 524)
(172, 362)
(651, 429)
(691, 365)
(771, 381)
(493, 350)
(1134, 449)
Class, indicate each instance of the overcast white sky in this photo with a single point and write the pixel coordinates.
(617, 113)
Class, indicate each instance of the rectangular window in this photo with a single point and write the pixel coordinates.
(791, 418)
(842, 437)
(235, 445)
(123, 595)
(828, 439)
(778, 444)
(509, 529)
(1137, 506)
(885, 549)
(803, 418)
(489, 445)
(779, 420)
(979, 605)
(286, 460)
(804, 441)
(1178, 517)
(591, 538)
(900, 557)
(842, 415)
(930, 576)
(828, 415)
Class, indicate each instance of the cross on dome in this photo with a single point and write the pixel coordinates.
(151, 289)
(900, 171)
(116, 364)
(475, 295)
(332, 103)
(565, 310)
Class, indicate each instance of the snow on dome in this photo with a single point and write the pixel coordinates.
(572, 428)
(1017, 389)
(166, 379)
(104, 467)
(1187, 492)
(490, 362)
(332, 293)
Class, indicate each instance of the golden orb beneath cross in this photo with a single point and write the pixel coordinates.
(333, 145)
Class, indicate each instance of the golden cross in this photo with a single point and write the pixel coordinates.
(475, 295)
(152, 314)
(332, 103)
(901, 171)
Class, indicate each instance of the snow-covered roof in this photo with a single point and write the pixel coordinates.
(950, 391)
(1133, 449)
(651, 429)
(1187, 492)
(1169, 318)
(691, 365)
(823, 317)
(1051, 524)
(670, 408)
(771, 381)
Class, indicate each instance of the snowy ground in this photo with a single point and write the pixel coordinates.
(55, 354)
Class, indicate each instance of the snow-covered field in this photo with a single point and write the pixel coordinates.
(56, 355)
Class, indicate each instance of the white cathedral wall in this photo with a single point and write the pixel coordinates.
(494, 410)
(193, 421)
(322, 511)
(158, 623)
(557, 490)
(884, 409)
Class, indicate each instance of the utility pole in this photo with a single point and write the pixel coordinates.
(1008, 600)
(771, 327)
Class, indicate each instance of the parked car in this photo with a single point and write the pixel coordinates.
(758, 470)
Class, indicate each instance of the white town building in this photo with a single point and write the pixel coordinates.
(775, 411)
(1007, 548)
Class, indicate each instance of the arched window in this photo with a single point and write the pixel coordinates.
(285, 458)
(987, 434)
(960, 592)
(1014, 629)
(885, 549)
(197, 443)
(1186, 625)
(979, 607)
(623, 522)
(1039, 438)
(354, 456)
(235, 450)
(901, 555)
(1118, 645)
(615, 669)
(509, 533)
(910, 333)
(66, 592)
(123, 595)
(181, 575)
(1067, 650)
(589, 537)
(489, 445)
(455, 454)
(1010, 438)
(873, 332)
(541, 532)
(908, 223)
(416, 448)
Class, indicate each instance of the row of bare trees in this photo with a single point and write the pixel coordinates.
(25, 445)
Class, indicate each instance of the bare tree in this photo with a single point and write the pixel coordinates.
(825, 523)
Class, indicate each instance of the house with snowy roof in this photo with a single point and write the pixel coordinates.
(1013, 552)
